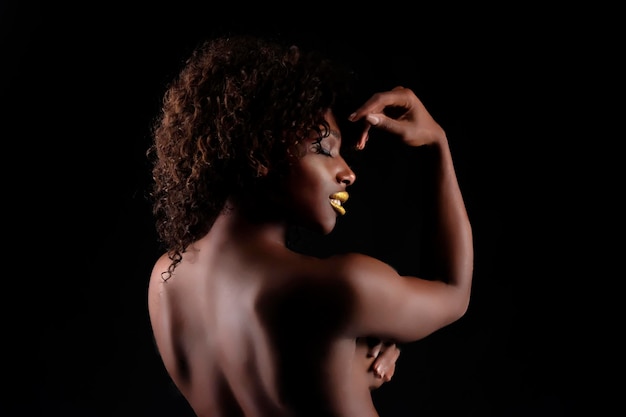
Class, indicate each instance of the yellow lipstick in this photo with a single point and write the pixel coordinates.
(337, 199)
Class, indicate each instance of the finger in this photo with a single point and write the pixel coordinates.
(387, 352)
(378, 101)
(374, 351)
(364, 137)
(374, 346)
(384, 372)
(399, 97)
(385, 363)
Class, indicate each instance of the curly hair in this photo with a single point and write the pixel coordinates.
(236, 111)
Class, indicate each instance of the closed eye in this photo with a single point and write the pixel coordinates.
(320, 149)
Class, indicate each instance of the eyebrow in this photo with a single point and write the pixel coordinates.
(331, 132)
(335, 133)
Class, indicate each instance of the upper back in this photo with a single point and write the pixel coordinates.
(249, 331)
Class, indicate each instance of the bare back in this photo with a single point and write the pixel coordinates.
(221, 320)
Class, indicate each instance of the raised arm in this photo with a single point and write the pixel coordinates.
(401, 308)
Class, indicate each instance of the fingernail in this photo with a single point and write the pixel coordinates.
(352, 116)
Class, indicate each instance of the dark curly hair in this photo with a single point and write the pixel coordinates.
(232, 118)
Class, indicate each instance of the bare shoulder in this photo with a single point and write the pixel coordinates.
(156, 279)
(353, 275)
(356, 266)
(160, 267)
(386, 304)
(157, 274)
(341, 269)
(358, 275)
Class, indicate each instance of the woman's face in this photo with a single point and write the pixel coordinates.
(318, 180)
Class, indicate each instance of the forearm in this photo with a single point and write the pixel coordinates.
(454, 232)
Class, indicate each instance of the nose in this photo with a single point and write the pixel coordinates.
(345, 175)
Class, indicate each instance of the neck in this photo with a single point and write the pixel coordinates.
(246, 223)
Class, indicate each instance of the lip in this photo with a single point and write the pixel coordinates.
(336, 201)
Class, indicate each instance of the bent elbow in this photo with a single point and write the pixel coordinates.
(461, 305)
(463, 308)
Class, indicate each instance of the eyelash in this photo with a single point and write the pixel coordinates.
(320, 149)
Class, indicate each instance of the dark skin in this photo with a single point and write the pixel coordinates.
(379, 360)
(247, 327)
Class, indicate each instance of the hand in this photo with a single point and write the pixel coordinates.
(400, 112)
(380, 360)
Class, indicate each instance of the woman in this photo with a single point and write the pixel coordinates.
(248, 145)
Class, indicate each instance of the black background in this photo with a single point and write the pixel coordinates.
(518, 91)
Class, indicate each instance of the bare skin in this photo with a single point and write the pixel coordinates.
(247, 327)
